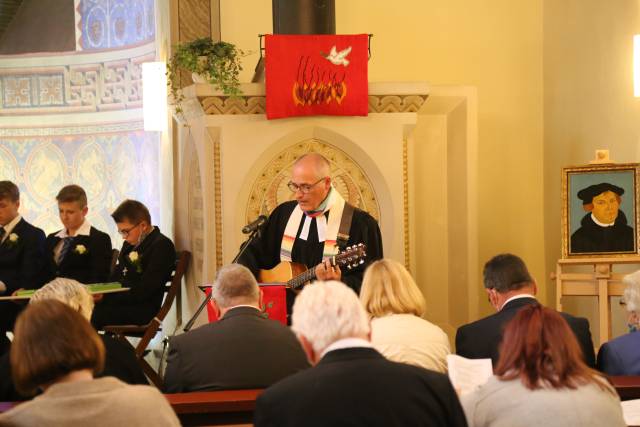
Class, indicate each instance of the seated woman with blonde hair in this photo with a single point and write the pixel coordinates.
(542, 380)
(396, 306)
(56, 350)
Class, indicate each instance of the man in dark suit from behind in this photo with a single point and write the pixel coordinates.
(510, 287)
(241, 350)
(78, 251)
(351, 383)
(621, 355)
(22, 258)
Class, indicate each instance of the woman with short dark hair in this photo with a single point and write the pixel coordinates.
(55, 349)
(541, 379)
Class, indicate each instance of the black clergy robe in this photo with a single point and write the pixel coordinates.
(591, 237)
(264, 252)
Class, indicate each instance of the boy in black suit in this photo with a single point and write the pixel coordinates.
(146, 261)
(21, 256)
(78, 251)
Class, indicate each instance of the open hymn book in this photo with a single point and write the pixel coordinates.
(466, 375)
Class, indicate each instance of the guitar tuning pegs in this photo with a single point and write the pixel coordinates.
(348, 266)
(361, 262)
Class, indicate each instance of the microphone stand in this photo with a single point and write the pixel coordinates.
(254, 234)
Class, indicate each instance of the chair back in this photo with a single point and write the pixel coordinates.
(114, 260)
(171, 289)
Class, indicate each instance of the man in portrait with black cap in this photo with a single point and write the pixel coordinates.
(604, 228)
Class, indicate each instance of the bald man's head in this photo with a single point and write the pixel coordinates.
(310, 175)
(315, 162)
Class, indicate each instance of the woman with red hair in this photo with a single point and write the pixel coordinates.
(541, 380)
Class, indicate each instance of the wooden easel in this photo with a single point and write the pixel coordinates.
(602, 283)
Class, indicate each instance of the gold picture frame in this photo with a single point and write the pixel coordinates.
(600, 210)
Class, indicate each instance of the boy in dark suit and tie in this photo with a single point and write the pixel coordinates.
(78, 251)
(21, 256)
(146, 261)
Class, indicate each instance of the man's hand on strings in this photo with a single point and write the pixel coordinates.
(326, 271)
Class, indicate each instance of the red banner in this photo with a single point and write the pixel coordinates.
(316, 75)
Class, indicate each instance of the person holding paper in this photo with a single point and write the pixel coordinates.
(22, 261)
(145, 263)
(78, 251)
(542, 380)
(510, 287)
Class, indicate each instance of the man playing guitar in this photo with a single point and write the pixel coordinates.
(311, 230)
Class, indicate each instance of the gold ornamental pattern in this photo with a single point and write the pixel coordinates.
(215, 105)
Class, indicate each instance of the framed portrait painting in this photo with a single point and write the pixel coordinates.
(600, 210)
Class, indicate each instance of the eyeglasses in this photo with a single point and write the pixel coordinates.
(125, 233)
(304, 188)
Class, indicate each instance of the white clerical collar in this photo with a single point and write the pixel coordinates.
(8, 228)
(517, 297)
(346, 343)
(84, 230)
(593, 218)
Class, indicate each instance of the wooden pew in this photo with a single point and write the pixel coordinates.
(628, 387)
(229, 407)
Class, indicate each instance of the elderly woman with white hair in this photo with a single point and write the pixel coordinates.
(120, 360)
(621, 356)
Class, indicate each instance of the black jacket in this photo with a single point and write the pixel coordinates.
(359, 387)
(240, 351)
(591, 237)
(146, 277)
(481, 339)
(90, 266)
(22, 262)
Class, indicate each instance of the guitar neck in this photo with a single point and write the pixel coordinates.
(351, 258)
(302, 278)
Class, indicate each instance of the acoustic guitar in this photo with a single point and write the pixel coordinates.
(295, 275)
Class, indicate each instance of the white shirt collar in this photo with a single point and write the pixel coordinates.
(593, 218)
(346, 343)
(84, 230)
(517, 297)
(11, 225)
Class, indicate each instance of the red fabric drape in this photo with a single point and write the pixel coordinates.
(316, 75)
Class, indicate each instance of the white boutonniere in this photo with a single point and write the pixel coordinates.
(80, 249)
(12, 240)
(134, 259)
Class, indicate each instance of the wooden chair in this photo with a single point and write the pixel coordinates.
(148, 331)
(114, 260)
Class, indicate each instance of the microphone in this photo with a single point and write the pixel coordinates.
(253, 226)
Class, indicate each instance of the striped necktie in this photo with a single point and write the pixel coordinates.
(66, 245)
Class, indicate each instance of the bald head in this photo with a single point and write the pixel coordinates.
(315, 163)
(311, 171)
